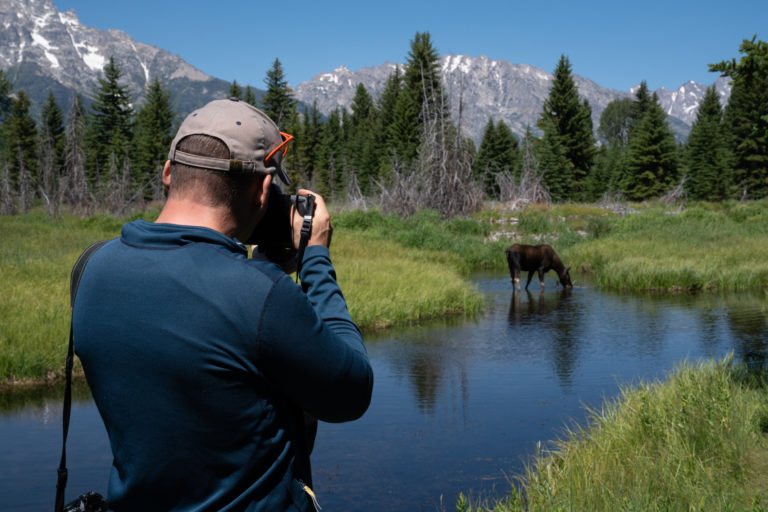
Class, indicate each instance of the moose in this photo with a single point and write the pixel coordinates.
(535, 258)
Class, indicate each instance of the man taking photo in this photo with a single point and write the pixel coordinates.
(202, 361)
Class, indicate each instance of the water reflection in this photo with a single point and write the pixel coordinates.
(458, 404)
(555, 321)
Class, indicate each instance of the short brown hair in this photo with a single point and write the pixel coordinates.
(217, 188)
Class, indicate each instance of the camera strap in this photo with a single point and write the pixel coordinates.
(306, 229)
(77, 272)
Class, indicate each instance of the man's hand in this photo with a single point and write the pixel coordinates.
(321, 223)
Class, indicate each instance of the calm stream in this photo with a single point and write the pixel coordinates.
(458, 405)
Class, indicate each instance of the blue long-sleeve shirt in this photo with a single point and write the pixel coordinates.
(200, 359)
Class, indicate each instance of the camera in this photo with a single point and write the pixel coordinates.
(273, 235)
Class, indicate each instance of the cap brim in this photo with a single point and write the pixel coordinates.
(283, 176)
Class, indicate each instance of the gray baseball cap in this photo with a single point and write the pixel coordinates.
(255, 143)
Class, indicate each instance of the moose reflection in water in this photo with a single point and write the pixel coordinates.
(536, 258)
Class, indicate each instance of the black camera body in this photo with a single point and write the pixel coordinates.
(273, 235)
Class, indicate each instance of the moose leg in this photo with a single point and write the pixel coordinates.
(541, 277)
(530, 276)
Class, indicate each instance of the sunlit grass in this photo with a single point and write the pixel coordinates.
(694, 442)
(698, 249)
(385, 284)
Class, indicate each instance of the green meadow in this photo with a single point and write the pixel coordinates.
(386, 284)
(396, 271)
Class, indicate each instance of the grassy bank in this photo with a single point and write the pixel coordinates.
(694, 442)
(704, 247)
(385, 285)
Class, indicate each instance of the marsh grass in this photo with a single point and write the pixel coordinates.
(36, 256)
(694, 442)
(700, 248)
(385, 283)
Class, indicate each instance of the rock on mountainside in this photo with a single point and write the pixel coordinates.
(42, 49)
(499, 89)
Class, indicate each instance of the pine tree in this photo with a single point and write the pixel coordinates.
(152, 137)
(76, 189)
(555, 169)
(422, 75)
(615, 122)
(709, 175)
(250, 97)
(405, 130)
(332, 156)
(6, 102)
(746, 117)
(386, 105)
(361, 144)
(110, 129)
(51, 155)
(640, 106)
(652, 156)
(235, 91)
(498, 152)
(305, 153)
(278, 102)
(571, 121)
(20, 134)
(52, 119)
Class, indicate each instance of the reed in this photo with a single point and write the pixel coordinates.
(694, 442)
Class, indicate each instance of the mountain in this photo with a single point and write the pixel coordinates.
(514, 93)
(42, 50)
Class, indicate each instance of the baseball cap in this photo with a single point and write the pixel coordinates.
(249, 134)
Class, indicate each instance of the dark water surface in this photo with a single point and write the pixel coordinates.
(458, 405)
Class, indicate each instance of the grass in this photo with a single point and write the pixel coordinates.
(36, 256)
(385, 285)
(704, 247)
(695, 442)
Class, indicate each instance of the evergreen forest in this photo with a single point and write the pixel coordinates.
(402, 151)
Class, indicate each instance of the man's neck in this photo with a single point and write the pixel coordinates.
(191, 213)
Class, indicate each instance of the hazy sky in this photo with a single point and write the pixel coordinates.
(616, 44)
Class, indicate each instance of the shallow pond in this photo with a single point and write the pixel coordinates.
(458, 405)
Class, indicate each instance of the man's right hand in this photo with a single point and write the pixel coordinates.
(321, 223)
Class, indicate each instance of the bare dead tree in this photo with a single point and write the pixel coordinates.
(677, 193)
(26, 192)
(441, 177)
(355, 197)
(76, 188)
(49, 183)
(7, 194)
(529, 186)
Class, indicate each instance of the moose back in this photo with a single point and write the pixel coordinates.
(535, 258)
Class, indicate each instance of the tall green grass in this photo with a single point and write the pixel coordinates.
(385, 284)
(696, 442)
(700, 248)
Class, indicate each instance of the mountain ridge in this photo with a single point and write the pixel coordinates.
(43, 49)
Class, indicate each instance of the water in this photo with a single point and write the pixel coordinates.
(458, 405)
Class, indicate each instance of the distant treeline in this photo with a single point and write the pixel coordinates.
(402, 151)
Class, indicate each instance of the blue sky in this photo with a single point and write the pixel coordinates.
(616, 44)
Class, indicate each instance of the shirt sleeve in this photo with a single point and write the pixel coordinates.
(310, 347)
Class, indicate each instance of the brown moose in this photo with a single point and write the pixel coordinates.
(535, 258)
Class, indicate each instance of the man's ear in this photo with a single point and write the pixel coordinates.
(263, 193)
(167, 175)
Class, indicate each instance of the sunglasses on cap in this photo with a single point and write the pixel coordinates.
(280, 151)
